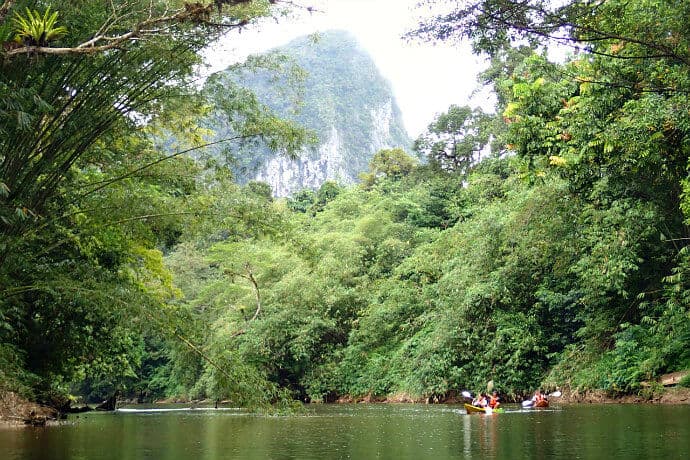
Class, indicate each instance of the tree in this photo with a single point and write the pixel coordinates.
(87, 200)
(593, 26)
(302, 200)
(455, 139)
(393, 164)
(83, 286)
(328, 191)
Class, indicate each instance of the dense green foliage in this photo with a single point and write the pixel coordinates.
(557, 257)
(88, 203)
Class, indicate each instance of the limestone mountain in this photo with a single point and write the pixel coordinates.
(345, 101)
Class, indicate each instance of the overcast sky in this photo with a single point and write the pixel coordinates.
(426, 78)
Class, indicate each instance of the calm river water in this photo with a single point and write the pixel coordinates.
(363, 432)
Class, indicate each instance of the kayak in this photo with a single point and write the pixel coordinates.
(529, 404)
(474, 409)
(481, 410)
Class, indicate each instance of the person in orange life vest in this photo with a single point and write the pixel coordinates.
(538, 397)
(493, 401)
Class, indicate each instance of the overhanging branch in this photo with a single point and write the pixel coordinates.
(249, 276)
(143, 29)
(153, 26)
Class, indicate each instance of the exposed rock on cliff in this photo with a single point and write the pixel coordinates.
(346, 102)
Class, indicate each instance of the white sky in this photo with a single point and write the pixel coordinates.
(426, 78)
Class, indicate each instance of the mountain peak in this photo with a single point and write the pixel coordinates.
(346, 102)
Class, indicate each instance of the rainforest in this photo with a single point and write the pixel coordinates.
(540, 244)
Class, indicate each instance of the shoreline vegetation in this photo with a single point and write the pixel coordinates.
(17, 412)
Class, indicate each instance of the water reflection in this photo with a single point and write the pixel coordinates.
(467, 435)
(363, 432)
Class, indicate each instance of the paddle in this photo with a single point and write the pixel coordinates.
(555, 394)
(468, 396)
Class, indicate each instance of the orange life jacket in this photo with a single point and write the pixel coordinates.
(493, 402)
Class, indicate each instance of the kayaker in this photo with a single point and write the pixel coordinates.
(480, 400)
(494, 400)
(538, 397)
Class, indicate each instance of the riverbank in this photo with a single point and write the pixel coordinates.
(668, 395)
(675, 395)
(16, 411)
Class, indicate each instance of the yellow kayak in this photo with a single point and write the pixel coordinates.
(481, 410)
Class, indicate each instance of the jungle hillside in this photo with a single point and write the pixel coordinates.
(541, 244)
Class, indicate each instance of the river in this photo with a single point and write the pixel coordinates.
(363, 431)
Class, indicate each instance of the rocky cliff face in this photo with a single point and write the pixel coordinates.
(346, 102)
(286, 176)
(332, 158)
